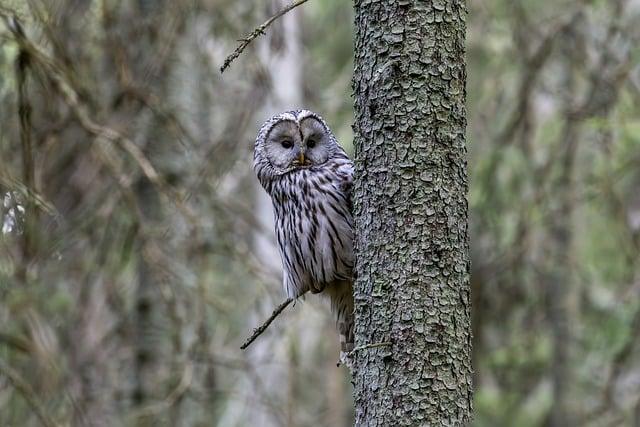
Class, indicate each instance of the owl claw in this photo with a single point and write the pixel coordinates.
(345, 359)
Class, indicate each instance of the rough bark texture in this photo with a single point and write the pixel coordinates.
(410, 205)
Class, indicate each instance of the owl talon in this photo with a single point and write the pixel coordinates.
(344, 360)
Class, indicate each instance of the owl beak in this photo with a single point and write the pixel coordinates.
(301, 158)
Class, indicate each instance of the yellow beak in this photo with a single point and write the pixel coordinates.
(301, 158)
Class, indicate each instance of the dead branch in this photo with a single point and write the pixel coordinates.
(244, 42)
(367, 346)
(260, 329)
(347, 358)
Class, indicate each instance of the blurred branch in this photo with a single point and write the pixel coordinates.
(137, 89)
(619, 359)
(153, 103)
(72, 98)
(244, 42)
(27, 392)
(519, 118)
(38, 199)
(183, 386)
(16, 342)
(22, 64)
(533, 66)
(226, 142)
(260, 329)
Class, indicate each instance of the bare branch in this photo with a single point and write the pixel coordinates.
(244, 42)
(346, 358)
(367, 346)
(260, 329)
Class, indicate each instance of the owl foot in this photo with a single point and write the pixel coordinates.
(346, 360)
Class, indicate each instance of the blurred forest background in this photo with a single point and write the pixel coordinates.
(137, 249)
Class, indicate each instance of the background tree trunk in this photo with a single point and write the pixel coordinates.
(412, 287)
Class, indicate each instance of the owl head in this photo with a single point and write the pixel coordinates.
(291, 141)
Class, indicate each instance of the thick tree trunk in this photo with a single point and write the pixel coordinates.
(412, 287)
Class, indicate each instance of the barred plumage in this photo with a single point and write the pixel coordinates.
(309, 177)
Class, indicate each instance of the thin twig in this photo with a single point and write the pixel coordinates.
(346, 358)
(260, 329)
(244, 42)
(367, 346)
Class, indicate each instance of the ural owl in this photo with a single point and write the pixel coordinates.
(309, 177)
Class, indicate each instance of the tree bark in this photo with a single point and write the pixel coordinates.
(410, 206)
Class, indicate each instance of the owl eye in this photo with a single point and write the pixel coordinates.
(286, 143)
(311, 143)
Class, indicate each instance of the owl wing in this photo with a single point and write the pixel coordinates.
(340, 292)
(345, 172)
(342, 218)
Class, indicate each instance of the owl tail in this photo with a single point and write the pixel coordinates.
(341, 295)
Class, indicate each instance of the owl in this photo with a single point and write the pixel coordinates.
(309, 177)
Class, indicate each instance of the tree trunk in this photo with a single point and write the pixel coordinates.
(146, 333)
(559, 284)
(410, 206)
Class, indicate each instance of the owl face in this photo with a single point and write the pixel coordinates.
(294, 140)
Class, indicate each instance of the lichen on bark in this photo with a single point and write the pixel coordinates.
(410, 206)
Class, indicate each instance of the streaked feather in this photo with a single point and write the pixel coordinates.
(314, 222)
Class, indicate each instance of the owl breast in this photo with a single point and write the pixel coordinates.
(314, 226)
